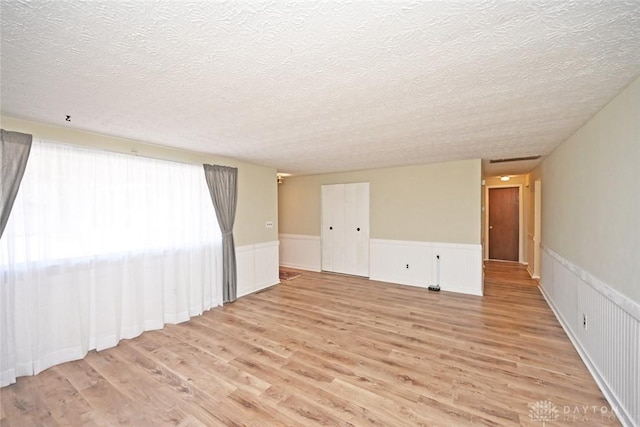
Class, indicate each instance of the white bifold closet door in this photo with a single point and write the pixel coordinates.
(345, 228)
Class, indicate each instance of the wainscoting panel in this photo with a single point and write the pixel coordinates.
(460, 264)
(300, 251)
(257, 267)
(389, 260)
(603, 325)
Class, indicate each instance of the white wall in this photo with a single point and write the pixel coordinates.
(415, 211)
(460, 264)
(257, 267)
(301, 251)
(459, 268)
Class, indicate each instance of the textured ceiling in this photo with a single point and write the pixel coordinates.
(318, 86)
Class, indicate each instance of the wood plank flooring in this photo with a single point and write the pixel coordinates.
(326, 349)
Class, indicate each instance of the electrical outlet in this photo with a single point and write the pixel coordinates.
(268, 224)
(584, 321)
(406, 267)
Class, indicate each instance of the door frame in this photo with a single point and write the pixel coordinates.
(537, 227)
(520, 220)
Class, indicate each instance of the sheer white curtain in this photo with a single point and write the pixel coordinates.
(99, 247)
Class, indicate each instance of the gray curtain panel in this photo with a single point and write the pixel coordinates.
(14, 152)
(223, 187)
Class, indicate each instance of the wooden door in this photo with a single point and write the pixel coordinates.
(504, 223)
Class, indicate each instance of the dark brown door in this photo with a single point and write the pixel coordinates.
(504, 224)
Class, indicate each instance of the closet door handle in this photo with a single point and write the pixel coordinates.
(330, 228)
(358, 228)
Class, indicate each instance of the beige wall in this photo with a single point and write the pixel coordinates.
(257, 187)
(433, 203)
(591, 195)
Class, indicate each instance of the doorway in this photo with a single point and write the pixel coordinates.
(504, 223)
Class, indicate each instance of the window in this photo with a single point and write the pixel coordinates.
(77, 203)
(99, 247)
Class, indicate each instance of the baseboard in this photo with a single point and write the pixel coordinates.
(300, 267)
(255, 289)
(529, 271)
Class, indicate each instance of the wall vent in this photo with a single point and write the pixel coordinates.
(515, 159)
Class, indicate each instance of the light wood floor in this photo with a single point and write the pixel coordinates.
(325, 349)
